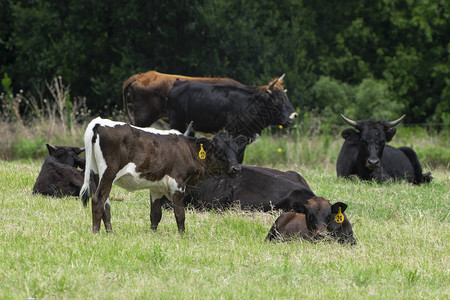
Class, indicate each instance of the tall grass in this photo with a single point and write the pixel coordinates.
(48, 250)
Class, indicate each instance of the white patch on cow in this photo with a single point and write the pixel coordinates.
(100, 162)
(109, 123)
(107, 202)
(131, 180)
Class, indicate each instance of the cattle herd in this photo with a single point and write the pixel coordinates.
(207, 172)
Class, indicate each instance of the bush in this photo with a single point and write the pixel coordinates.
(24, 148)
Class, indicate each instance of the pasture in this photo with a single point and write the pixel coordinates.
(48, 249)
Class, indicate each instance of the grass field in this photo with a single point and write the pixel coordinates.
(48, 250)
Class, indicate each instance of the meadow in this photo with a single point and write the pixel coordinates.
(48, 250)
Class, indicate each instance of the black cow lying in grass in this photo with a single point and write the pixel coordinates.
(266, 189)
(59, 174)
(365, 154)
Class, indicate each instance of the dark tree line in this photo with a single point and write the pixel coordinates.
(378, 58)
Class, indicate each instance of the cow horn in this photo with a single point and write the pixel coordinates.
(188, 130)
(394, 123)
(350, 122)
(281, 77)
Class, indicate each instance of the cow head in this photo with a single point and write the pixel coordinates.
(221, 153)
(278, 100)
(371, 138)
(67, 155)
(319, 215)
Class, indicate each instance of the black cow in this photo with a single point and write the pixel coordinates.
(366, 155)
(241, 110)
(266, 189)
(59, 174)
(316, 220)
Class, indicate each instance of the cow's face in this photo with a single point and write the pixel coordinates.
(222, 152)
(318, 212)
(371, 140)
(67, 155)
(285, 112)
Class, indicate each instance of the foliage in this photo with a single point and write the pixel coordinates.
(402, 233)
(395, 49)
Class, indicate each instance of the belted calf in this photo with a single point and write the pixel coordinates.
(312, 221)
(145, 158)
(59, 175)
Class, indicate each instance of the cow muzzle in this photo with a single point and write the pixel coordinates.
(293, 116)
(234, 171)
(373, 163)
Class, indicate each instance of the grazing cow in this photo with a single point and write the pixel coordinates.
(313, 221)
(241, 110)
(365, 154)
(266, 189)
(145, 158)
(59, 175)
(148, 93)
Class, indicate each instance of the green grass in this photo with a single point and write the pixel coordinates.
(48, 251)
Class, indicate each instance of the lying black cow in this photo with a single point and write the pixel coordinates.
(59, 174)
(241, 110)
(266, 189)
(316, 221)
(365, 154)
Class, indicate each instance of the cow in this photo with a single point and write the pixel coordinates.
(162, 161)
(241, 110)
(148, 94)
(265, 189)
(366, 155)
(314, 221)
(59, 175)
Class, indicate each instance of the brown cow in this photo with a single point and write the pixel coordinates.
(148, 93)
(313, 221)
(163, 161)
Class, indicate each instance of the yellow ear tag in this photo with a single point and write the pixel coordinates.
(280, 126)
(339, 217)
(202, 153)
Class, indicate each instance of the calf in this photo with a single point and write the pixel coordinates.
(145, 158)
(267, 189)
(59, 175)
(313, 221)
(365, 154)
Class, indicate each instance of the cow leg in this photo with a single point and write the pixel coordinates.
(155, 211)
(178, 209)
(106, 217)
(99, 204)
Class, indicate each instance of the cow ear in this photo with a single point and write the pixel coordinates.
(51, 149)
(207, 144)
(350, 135)
(241, 141)
(335, 207)
(298, 207)
(390, 134)
(78, 150)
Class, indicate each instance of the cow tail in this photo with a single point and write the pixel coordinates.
(90, 160)
(125, 87)
(418, 175)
